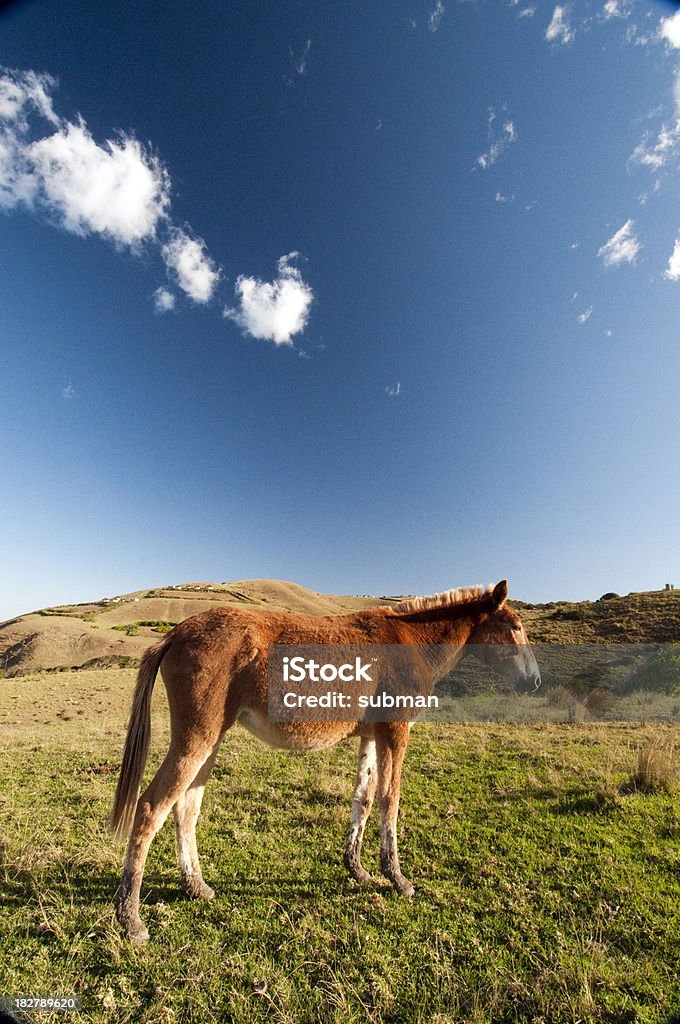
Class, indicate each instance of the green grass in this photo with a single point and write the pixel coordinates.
(548, 886)
(157, 625)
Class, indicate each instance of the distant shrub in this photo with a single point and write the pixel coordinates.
(105, 661)
(573, 613)
(158, 626)
(661, 672)
(581, 706)
(598, 701)
(609, 596)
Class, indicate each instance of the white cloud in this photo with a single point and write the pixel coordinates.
(500, 143)
(501, 198)
(559, 29)
(669, 29)
(436, 15)
(527, 12)
(190, 265)
(393, 390)
(276, 310)
(68, 391)
(585, 315)
(622, 247)
(616, 9)
(115, 190)
(164, 300)
(119, 190)
(672, 272)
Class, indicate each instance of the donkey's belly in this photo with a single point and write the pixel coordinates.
(295, 735)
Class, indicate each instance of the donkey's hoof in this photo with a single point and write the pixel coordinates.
(137, 934)
(360, 875)
(198, 890)
(353, 865)
(403, 886)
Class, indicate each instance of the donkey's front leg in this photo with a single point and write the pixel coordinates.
(362, 801)
(391, 741)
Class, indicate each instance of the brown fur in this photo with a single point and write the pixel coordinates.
(214, 666)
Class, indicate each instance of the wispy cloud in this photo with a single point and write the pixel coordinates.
(559, 30)
(658, 153)
(500, 140)
(501, 198)
(68, 391)
(672, 272)
(393, 390)
(585, 315)
(22, 92)
(273, 310)
(616, 9)
(527, 12)
(164, 300)
(436, 15)
(622, 247)
(636, 37)
(300, 62)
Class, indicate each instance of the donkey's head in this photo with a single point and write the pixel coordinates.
(500, 642)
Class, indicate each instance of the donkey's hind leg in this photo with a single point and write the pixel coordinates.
(391, 742)
(176, 773)
(362, 801)
(186, 812)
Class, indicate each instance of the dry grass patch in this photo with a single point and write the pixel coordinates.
(657, 766)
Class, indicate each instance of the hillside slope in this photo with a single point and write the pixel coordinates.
(117, 630)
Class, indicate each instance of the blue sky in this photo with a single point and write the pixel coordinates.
(378, 298)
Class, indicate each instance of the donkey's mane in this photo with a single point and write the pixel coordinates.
(446, 599)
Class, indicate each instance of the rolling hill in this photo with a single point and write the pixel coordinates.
(116, 630)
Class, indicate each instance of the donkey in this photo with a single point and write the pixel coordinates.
(214, 666)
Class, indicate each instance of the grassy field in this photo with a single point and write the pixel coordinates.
(548, 885)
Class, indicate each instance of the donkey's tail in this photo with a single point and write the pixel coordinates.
(136, 743)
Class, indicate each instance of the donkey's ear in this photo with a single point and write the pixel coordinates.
(500, 594)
